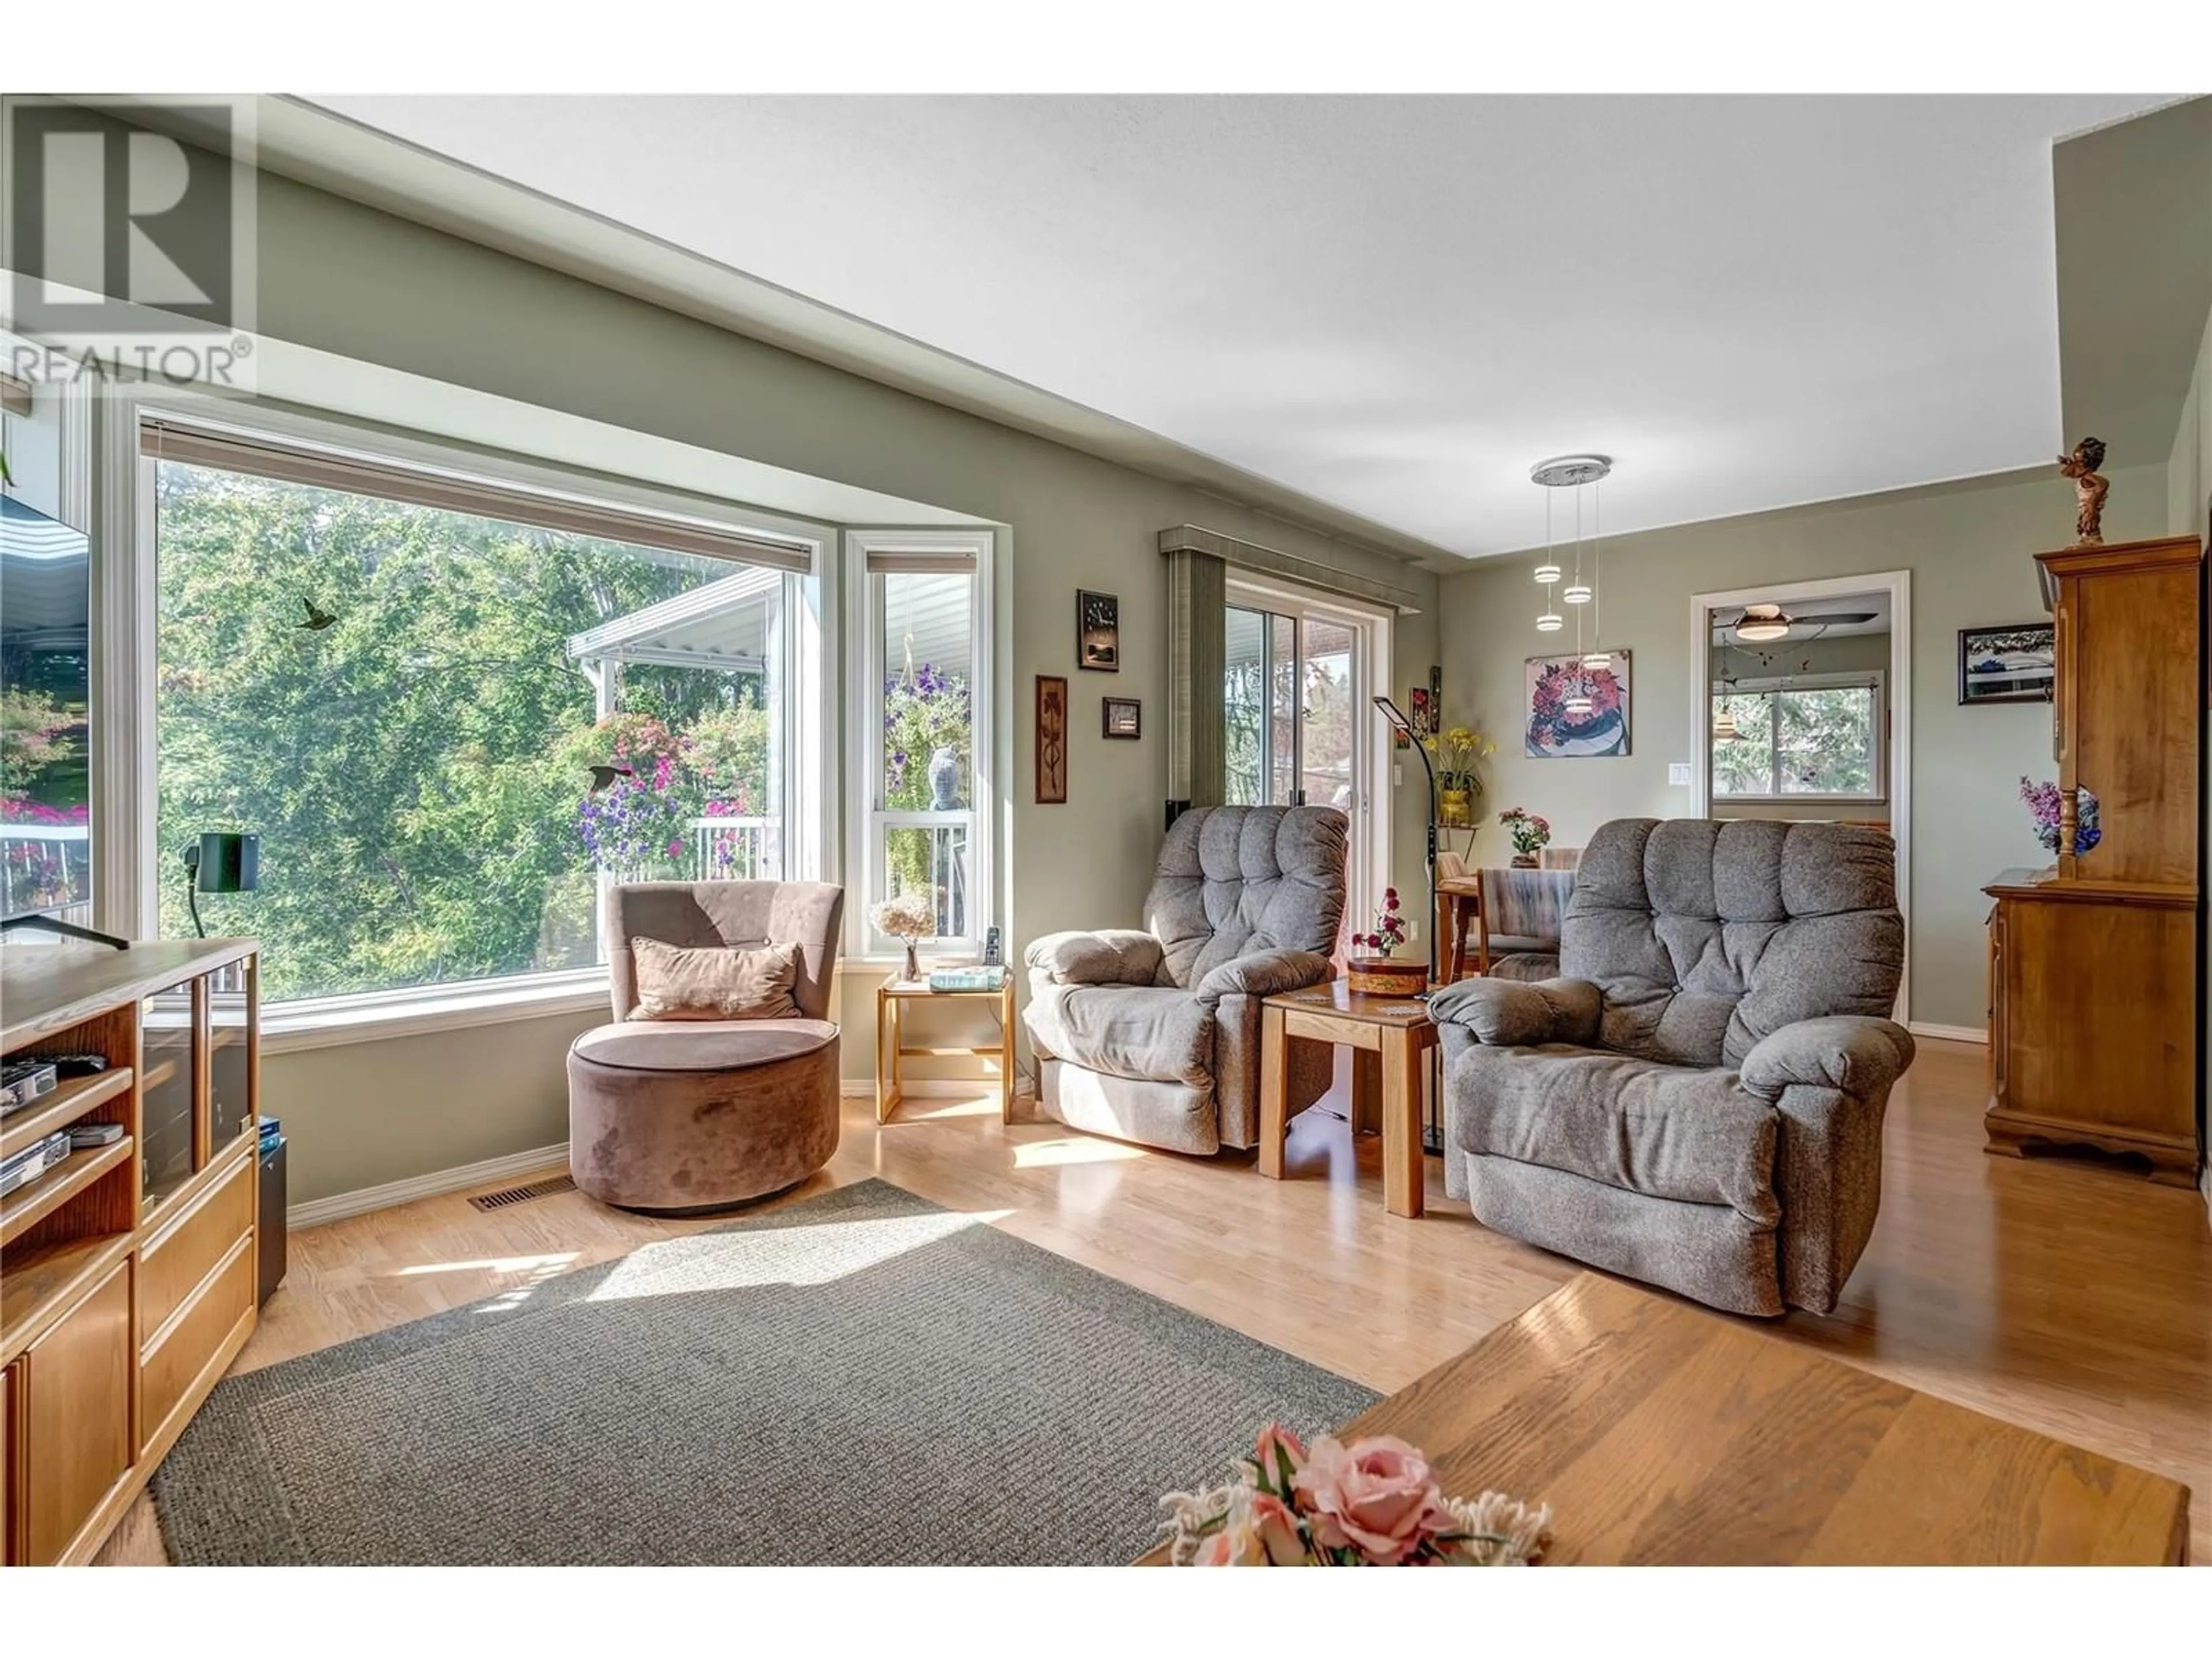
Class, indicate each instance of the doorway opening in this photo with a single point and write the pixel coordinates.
(1804, 709)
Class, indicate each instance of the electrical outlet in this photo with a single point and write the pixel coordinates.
(1678, 774)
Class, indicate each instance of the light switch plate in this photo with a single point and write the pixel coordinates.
(1678, 774)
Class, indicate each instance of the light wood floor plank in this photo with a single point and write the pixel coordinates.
(2069, 1298)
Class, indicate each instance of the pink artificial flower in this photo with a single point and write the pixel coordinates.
(1275, 1439)
(1276, 1529)
(1377, 1496)
(1232, 1547)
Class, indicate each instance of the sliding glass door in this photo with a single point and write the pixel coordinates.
(1296, 706)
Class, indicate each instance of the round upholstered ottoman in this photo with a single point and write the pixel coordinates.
(677, 1115)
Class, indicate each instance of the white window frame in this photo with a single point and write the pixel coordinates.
(864, 635)
(126, 881)
(1771, 684)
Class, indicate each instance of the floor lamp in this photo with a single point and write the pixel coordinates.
(1432, 1136)
(1404, 727)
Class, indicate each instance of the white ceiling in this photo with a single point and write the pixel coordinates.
(1395, 306)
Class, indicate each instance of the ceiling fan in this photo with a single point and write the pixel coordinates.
(1758, 624)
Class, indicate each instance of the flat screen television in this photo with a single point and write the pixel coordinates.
(45, 744)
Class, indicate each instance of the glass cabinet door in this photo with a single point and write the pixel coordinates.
(230, 1071)
(168, 1150)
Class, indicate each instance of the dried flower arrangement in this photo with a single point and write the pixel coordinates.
(911, 916)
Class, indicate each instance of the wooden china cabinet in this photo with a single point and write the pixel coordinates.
(2093, 998)
(127, 1272)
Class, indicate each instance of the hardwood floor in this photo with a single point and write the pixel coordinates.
(2069, 1298)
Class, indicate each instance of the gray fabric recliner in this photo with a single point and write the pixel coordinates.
(1698, 1101)
(1152, 1034)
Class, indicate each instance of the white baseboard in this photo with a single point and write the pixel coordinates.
(338, 1206)
(1974, 1034)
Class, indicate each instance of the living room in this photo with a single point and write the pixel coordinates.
(976, 704)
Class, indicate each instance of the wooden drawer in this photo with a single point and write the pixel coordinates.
(74, 1420)
(7, 1392)
(171, 1267)
(174, 1363)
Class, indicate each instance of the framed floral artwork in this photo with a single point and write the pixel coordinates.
(1051, 739)
(1557, 726)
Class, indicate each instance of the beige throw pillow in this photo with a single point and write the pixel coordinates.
(714, 982)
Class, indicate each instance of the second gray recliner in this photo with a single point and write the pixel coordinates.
(1698, 1101)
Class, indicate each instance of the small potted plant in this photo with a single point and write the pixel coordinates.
(1376, 972)
(1458, 752)
(1530, 834)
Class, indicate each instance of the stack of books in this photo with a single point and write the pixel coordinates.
(968, 978)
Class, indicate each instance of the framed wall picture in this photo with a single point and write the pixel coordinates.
(1098, 631)
(1051, 740)
(1122, 717)
(2006, 664)
(1557, 726)
(1421, 710)
(1437, 691)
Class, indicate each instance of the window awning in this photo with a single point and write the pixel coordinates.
(723, 627)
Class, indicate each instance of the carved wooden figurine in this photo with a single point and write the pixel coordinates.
(2090, 487)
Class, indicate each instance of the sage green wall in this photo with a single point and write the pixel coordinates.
(1970, 548)
(2188, 468)
(363, 284)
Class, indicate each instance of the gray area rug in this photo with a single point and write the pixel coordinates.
(861, 1378)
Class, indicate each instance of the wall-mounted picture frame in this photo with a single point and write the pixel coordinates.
(2010, 664)
(1550, 730)
(1421, 711)
(1051, 740)
(1120, 717)
(1098, 631)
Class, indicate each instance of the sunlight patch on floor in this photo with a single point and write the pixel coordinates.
(778, 1255)
(911, 1111)
(497, 1264)
(1043, 1154)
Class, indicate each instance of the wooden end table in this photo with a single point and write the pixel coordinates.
(1397, 1029)
(1665, 1436)
(892, 1049)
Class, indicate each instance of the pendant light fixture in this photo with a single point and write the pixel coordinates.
(1572, 473)
(1548, 578)
(1597, 656)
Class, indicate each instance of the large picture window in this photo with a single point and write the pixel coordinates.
(449, 728)
(923, 738)
(1812, 738)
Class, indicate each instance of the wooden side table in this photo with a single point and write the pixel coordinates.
(892, 1048)
(1397, 1029)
